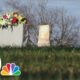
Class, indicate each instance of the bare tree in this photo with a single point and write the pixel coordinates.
(68, 29)
(27, 11)
(46, 15)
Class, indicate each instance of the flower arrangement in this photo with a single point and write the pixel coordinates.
(11, 20)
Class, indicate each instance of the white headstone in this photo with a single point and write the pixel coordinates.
(43, 38)
(12, 38)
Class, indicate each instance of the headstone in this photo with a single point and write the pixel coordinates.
(12, 38)
(43, 38)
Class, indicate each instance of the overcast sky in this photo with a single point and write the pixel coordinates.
(72, 6)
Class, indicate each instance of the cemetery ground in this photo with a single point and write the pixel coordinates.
(52, 63)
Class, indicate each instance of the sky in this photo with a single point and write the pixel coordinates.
(72, 6)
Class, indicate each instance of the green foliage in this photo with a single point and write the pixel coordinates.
(52, 63)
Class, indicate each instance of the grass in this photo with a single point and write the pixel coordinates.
(52, 63)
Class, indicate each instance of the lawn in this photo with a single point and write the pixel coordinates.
(52, 63)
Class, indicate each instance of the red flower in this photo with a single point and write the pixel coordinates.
(14, 20)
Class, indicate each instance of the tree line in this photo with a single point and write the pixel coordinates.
(64, 28)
